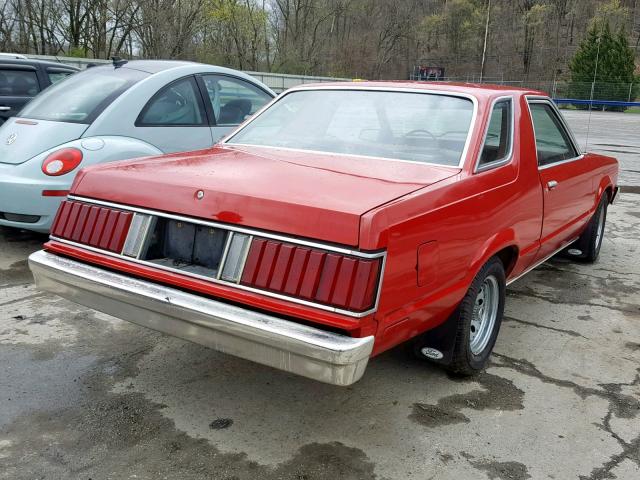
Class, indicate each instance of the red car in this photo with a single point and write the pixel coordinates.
(338, 222)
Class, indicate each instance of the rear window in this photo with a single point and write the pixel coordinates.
(82, 97)
(18, 83)
(418, 127)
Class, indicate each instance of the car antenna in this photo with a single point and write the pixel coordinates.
(118, 62)
(593, 84)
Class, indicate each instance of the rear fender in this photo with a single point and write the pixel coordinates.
(493, 245)
(104, 149)
(438, 343)
(605, 183)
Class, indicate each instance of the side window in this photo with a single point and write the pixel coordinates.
(56, 75)
(18, 83)
(497, 143)
(552, 140)
(177, 104)
(232, 99)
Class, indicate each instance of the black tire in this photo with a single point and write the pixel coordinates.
(466, 361)
(590, 241)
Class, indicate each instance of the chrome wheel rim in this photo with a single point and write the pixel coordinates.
(600, 228)
(485, 312)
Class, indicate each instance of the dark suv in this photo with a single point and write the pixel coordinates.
(21, 79)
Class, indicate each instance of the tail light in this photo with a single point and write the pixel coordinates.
(61, 162)
(311, 274)
(304, 274)
(92, 225)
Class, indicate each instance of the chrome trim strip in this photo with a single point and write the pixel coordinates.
(509, 156)
(304, 350)
(213, 280)
(355, 86)
(560, 162)
(224, 226)
(555, 252)
(332, 154)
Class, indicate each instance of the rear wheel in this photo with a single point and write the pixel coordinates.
(477, 320)
(587, 247)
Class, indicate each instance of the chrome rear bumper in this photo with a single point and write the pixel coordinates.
(300, 349)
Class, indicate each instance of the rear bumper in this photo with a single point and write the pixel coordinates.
(21, 193)
(300, 349)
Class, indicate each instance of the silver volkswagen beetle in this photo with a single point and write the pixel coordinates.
(114, 112)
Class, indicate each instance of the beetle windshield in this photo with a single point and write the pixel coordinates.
(420, 127)
(80, 98)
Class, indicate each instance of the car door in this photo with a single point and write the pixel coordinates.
(230, 101)
(565, 178)
(175, 119)
(18, 85)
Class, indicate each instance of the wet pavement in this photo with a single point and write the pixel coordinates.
(86, 396)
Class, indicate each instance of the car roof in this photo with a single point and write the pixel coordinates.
(153, 66)
(474, 89)
(180, 68)
(7, 60)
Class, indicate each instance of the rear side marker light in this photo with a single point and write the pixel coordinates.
(311, 274)
(61, 162)
(55, 193)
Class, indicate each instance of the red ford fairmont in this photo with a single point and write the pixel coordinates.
(338, 222)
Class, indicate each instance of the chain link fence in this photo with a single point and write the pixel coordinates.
(600, 91)
(590, 93)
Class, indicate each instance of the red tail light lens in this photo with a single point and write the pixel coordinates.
(98, 227)
(61, 162)
(318, 276)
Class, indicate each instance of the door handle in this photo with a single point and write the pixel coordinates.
(552, 184)
(5, 109)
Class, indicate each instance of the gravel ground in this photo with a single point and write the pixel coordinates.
(86, 396)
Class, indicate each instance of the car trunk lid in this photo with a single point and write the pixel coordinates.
(22, 139)
(305, 194)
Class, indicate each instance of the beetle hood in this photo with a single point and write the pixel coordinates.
(305, 194)
(22, 139)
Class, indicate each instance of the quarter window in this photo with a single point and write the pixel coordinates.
(552, 140)
(177, 104)
(18, 83)
(56, 75)
(497, 143)
(233, 100)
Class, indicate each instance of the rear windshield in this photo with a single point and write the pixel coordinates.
(83, 96)
(419, 127)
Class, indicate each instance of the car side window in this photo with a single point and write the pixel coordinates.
(177, 104)
(18, 83)
(56, 76)
(232, 99)
(553, 143)
(497, 143)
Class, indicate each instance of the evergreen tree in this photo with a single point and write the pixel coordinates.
(614, 75)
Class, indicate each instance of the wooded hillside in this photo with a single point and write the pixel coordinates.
(526, 39)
